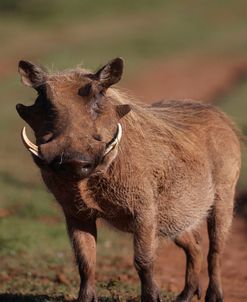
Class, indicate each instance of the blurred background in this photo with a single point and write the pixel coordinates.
(172, 49)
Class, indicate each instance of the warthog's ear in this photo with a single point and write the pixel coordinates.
(111, 73)
(122, 110)
(31, 75)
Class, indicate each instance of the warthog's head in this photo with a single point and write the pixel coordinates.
(74, 118)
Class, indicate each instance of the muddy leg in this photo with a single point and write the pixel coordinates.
(190, 243)
(144, 250)
(83, 239)
(219, 222)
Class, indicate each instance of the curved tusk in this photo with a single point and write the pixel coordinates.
(28, 144)
(116, 139)
(26, 140)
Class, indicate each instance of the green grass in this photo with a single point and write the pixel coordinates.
(35, 253)
(94, 31)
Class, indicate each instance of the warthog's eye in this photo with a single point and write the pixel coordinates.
(85, 90)
(46, 138)
(97, 137)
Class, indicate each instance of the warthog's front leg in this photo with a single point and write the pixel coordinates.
(83, 238)
(144, 250)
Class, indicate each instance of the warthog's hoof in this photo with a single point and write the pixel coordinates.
(188, 294)
(88, 297)
(213, 294)
(151, 297)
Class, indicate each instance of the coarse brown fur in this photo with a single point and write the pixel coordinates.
(177, 164)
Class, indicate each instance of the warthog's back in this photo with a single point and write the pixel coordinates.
(209, 158)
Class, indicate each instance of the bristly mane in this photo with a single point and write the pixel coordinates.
(177, 118)
(169, 122)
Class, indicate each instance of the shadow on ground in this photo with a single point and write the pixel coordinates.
(46, 298)
(31, 298)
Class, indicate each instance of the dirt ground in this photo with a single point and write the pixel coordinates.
(170, 265)
(202, 79)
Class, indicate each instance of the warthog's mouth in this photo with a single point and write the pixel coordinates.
(35, 150)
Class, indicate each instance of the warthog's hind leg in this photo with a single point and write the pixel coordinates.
(219, 222)
(190, 243)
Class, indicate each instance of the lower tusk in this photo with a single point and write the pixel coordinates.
(116, 140)
(108, 150)
(34, 152)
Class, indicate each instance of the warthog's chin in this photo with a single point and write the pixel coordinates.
(76, 168)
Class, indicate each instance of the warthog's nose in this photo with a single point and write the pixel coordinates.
(85, 167)
(76, 167)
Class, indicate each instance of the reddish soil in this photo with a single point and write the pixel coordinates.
(170, 266)
(201, 79)
(194, 77)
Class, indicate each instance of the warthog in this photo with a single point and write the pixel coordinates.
(153, 171)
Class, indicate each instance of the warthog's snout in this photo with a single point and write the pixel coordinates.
(69, 163)
(78, 167)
